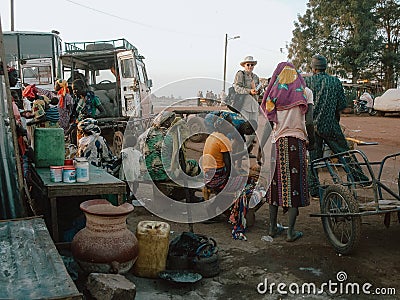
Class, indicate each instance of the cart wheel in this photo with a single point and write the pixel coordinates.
(343, 232)
(117, 142)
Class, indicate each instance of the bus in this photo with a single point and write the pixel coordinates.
(35, 55)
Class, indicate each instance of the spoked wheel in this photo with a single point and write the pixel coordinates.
(357, 110)
(117, 142)
(343, 232)
(372, 112)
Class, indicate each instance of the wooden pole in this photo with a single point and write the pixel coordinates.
(13, 127)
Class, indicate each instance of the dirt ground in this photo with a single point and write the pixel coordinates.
(311, 259)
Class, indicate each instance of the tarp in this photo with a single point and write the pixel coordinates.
(389, 101)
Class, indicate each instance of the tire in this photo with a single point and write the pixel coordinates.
(381, 113)
(372, 112)
(342, 232)
(197, 129)
(207, 266)
(357, 110)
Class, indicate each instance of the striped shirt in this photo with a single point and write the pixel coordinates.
(52, 114)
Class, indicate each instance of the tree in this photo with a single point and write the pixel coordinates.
(360, 38)
(388, 15)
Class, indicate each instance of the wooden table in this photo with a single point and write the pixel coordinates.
(100, 182)
(31, 267)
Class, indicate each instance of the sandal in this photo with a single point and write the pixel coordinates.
(277, 232)
(296, 236)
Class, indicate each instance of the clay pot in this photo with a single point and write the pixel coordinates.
(105, 245)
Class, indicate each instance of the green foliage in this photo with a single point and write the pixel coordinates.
(359, 38)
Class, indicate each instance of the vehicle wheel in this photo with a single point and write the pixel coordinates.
(197, 129)
(117, 142)
(357, 110)
(372, 112)
(343, 232)
(105, 81)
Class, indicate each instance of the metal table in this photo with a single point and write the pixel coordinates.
(100, 182)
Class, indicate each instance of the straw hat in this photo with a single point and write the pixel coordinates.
(248, 59)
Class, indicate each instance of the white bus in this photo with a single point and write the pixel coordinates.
(35, 55)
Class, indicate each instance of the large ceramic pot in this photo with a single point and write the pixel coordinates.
(105, 245)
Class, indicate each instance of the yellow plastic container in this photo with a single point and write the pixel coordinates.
(153, 242)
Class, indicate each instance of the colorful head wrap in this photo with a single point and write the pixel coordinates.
(63, 84)
(223, 117)
(285, 91)
(30, 92)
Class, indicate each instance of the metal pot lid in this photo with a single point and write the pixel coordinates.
(180, 276)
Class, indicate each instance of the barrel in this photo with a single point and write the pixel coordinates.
(153, 242)
(49, 147)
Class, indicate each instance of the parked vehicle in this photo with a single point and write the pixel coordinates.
(360, 106)
(389, 102)
(116, 72)
(357, 91)
(35, 56)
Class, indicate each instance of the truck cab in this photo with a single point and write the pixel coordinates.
(115, 71)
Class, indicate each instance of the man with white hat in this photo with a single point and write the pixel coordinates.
(245, 84)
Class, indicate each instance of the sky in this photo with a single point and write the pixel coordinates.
(179, 39)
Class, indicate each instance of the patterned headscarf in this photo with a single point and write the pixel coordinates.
(89, 125)
(285, 91)
(30, 92)
(223, 117)
(62, 91)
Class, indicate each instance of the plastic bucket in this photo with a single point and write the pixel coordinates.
(56, 173)
(69, 174)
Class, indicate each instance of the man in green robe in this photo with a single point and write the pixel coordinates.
(329, 101)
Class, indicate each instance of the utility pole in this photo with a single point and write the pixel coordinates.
(12, 14)
(226, 48)
(225, 54)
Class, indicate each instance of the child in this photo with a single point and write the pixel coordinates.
(130, 170)
(52, 114)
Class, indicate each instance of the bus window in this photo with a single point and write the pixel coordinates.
(37, 75)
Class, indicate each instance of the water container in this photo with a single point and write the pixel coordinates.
(153, 241)
(56, 173)
(49, 147)
(82, 169)
(69, 174)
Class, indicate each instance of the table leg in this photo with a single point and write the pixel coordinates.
(120, 199)
(54, 222)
